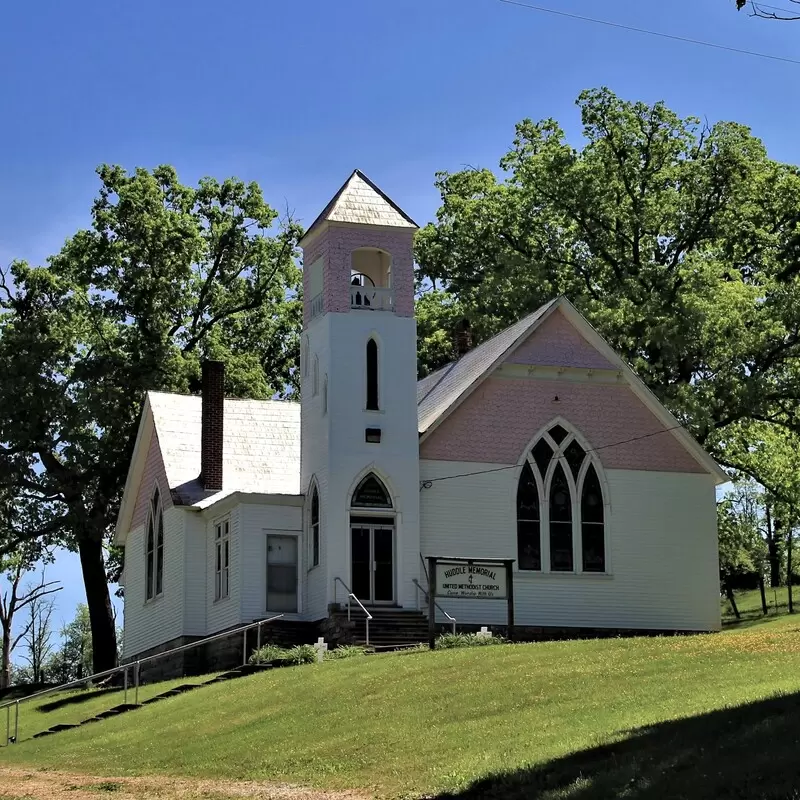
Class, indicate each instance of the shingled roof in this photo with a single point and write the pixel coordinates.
(361, 202)
(261, 446)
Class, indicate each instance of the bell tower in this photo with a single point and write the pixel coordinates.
(359, 448)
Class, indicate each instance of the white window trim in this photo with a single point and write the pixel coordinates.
(575, 496)
(311, 564)
(155, 515)
(222, 559)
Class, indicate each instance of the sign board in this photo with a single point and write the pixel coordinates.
(486, 581)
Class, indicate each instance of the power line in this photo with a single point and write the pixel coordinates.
(675, 38)
(428, 482)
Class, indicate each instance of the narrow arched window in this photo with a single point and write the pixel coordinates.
(592, 523)
(372, 375)
(325, 395)
(304, 356)
(529, 544)
(314, 527)
(154, 550)
(560, 522)
(315, 377)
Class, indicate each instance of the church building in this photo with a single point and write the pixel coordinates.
(539, 445)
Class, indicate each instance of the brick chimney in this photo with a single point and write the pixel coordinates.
(462, 338)
(211, 449)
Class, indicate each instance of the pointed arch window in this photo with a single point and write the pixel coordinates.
(315, 527)
(154, 550)
(372, 375)
(371, 493)
(560, 507)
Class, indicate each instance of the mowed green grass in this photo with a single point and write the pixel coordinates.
(749, 604)
(580, 719)
(75, 706)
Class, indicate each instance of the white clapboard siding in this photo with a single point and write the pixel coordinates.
(148, 623)
(662, 557)
(257, 522)
(225, 612)
(197, 576)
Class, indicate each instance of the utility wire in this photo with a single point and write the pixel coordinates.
(675, 38)
(428, 482)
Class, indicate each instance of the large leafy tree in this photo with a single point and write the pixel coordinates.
(679, 241)
(766, 11)
(167, 274)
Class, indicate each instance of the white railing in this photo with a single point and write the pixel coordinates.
(317, 305)
(123, 668)
(451, 620)
(371, 298)
(351, 596)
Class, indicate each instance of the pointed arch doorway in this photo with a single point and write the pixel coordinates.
(372, 543)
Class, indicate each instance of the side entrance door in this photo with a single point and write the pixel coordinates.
(372, 561)
(281, 573)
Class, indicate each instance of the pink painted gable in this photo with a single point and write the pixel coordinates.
(153, 475)
(498, 420)
(556, 343)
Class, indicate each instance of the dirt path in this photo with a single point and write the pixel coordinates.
(29, 784)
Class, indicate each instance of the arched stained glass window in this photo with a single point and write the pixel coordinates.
(560, 507)
(371, 493)
(560, 522)
(154, 550)
(314, 527)
(592, 523)
(529, 544)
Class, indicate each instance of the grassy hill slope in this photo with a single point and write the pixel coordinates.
(432, 722)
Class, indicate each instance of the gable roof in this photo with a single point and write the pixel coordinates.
(261, 449)
(361, 202)
(445, 389)
(439, 394)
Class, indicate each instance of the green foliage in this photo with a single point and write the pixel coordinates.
(73, 659)
(301, 654)
(345, 651)
(166, 275)
(678, 241)
(267, 653)
(447, 641)
(742, 548)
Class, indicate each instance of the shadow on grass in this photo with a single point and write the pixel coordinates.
(750, 751)
(74, 699)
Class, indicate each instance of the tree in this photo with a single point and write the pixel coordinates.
(37, 635)
(679, 241)
(742, 548)
(74, 659)
(765, 11)
(166, 275)
(13, 601)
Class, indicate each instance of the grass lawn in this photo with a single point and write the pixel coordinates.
(75, 706)
(689, 717)
(749, 604)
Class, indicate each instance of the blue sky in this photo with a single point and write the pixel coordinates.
(295, 94)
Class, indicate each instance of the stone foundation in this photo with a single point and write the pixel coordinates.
(222, 654)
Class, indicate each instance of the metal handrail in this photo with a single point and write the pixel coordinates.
(450, 618)
(124, 669)
(350, 596)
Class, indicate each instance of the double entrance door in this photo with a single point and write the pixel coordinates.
(372, 560)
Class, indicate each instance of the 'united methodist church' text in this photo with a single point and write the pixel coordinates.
(468, 580)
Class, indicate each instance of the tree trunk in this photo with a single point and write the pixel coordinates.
(789, 538)
(732, 600)
(773, 554)
(764, 606)
(5, 663)
(98, 600)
